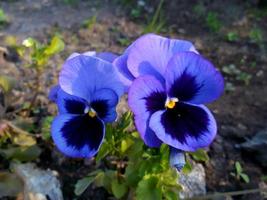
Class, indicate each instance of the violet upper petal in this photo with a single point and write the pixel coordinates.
(107, 56)
(52, 96)
(125, 75)
(78, 135)
(193, 79)
(83, 75)
(186, 127)
(146, 96)
(151, 53)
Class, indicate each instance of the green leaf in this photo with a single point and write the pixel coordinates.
(171, 195)
(147, 189)
(29, 42)
(10, 185)
(164, 151)
(136, 150)
(213, 22)
(264, 178)
(244, 177)
(187, 168)
(3, 17)
(131, 174)
(7, 83)
(103, 151)
(56, 46)
(200, 155)
(22, 153)
(125, 122)
(232, 36)
(89, 23)
(83, 184)
(125, 144)
(104, 179)
(238, 167)
(99, 179)
(118, 189)
(46, 125)
(169, 178)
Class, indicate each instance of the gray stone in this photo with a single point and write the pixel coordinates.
(38, 184)
(194, 183)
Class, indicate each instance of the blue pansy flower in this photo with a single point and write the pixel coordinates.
(149, 54)
(87, 95)
(169, 83)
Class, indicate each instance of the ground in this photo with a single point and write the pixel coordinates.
(241, 112)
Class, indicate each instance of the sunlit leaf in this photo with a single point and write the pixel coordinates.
(23, 139)
(238, 167)
(56, 46)
(125, 144)
(10, 184)
(29, 42)
(18, 136)
(244, 177)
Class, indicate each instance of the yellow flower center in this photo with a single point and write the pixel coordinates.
(170, 103)
(92, 113)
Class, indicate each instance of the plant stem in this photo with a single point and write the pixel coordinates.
(36, 92)
(234, 193)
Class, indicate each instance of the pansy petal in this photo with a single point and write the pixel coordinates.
(52, 96)
(107, 56)
(146, 96)
(83, 75)
(193, 79)
(70, 104)
(87, 53)
(125, 75)
(104, 103)
(77, 135)
(151, 53)
(188, 128)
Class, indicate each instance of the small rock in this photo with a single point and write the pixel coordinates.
(258, 146)
(38, 184)
(194, 183)
(263, 187)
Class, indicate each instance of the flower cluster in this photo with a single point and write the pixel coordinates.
(167, 81)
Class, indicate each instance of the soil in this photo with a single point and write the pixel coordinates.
(240, 113)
